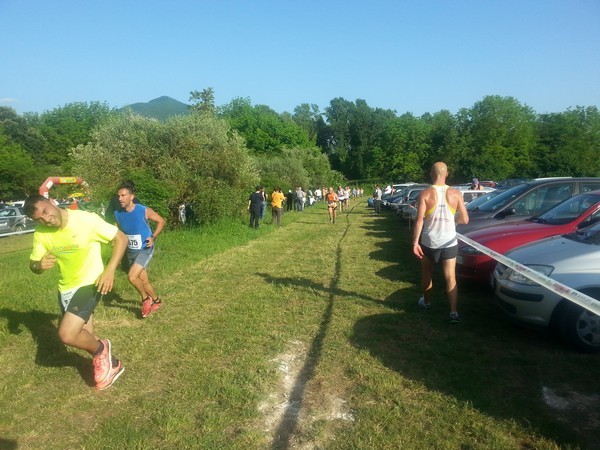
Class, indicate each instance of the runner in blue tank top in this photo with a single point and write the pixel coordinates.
(133, 219)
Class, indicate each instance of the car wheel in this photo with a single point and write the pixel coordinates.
(19, 228)
(580, 328)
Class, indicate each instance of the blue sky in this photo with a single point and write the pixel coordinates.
(413, 56)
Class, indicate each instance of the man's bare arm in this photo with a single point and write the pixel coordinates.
(106, 280)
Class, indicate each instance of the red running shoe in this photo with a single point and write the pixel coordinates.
(155, 306)
(112, 377)
(102, 363)
(146, 307)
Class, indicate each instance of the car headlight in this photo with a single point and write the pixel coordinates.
(516, 277)
(468, 250)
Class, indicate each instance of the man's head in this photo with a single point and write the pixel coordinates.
(125, 195)
(439, 170)
(475, 181)
(43, 211)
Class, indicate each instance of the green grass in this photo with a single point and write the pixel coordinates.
(307, 336)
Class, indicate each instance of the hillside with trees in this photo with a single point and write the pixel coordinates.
(179, 156)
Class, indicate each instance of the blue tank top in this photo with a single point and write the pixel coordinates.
(135, 225)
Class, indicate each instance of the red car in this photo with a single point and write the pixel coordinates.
(566, 217)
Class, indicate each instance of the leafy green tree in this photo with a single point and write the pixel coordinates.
(68, 126)
(203, 101)
(17, 170)
(306, 167)
(265, 130)
(569, 143)
(195, 159)
(406, 144)
(447, 143)
(501, 137)
(339, 114)
(356, 130)
(307, 117)
(20, 131)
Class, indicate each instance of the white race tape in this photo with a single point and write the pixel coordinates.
(16, 232)
(575, 296)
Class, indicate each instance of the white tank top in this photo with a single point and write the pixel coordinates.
(439, 228)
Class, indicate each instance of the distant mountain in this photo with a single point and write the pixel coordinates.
(160, 108)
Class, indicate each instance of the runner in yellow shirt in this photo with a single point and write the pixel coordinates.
(277, 199)
(72, 240)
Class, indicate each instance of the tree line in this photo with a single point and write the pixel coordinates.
(213, 156)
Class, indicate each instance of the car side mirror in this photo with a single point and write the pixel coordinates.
(507, 212)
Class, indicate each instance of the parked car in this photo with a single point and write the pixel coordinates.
(384, 199)
(13, 219)
(572, 259)
(572, 214)
(526, 200)
(510, 182)
(409, 195)
(409, 210)
(484, 197)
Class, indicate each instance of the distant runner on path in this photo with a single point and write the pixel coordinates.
(332, 202)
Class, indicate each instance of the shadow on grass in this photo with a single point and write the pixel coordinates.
(113, 300)
(289, 423)
(305, 283)
(51, 352)
(8, 444)
(502, 377)
(487, 362)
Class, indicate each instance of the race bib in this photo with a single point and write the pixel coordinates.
(66, 297)
(135, 241)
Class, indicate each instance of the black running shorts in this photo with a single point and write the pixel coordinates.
(82, 302)
(437, 254)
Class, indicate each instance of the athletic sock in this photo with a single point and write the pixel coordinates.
(100, 349)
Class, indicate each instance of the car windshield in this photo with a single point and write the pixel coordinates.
(503, 198)
(8, 212)
(569, 210)
(476, 202)
(588, 235)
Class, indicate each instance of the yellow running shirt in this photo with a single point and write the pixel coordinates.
(76, 247)
(277, 199)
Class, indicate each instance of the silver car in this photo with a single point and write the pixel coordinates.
(572, 259)
(13, 219)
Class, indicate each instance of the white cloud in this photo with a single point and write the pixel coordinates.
(8, 100)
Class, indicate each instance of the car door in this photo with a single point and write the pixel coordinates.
(7, 220)
(543, 198)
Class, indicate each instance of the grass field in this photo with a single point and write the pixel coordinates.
(305, 336)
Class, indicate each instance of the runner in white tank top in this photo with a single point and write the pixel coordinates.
(434, 236)
(439, 229)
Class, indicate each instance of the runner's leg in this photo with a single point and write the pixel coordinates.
(426, 278)
(449, 267)
(72, 332)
